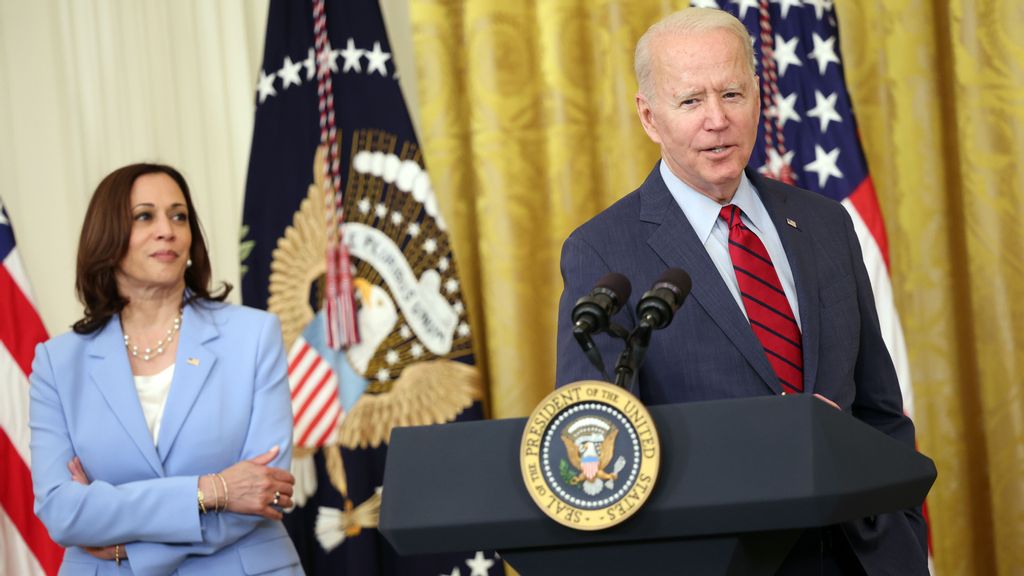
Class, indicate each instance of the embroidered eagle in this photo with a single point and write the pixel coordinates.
(591, 453)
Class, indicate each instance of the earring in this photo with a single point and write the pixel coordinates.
(188, 263)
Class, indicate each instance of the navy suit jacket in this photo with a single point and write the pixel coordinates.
(709, 351)
(229, 401)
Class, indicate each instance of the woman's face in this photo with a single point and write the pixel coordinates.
(158, 249)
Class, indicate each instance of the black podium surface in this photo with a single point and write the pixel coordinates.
(739, 480)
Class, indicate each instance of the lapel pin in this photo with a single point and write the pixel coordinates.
(193, 361)
(791, 222)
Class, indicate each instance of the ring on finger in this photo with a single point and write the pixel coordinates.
(277, 497)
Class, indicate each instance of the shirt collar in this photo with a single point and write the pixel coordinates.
(702, 211)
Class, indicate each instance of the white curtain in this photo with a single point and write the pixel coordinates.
(88, 86)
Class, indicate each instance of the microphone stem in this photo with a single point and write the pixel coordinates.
(624, 368)
(582, 333)
(638, 342)
(642, 337)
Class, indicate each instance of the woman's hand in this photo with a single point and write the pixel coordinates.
(254, 487)
(77, 472)
(106, 552)
(101, 552)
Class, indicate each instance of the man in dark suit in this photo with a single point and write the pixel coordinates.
(781, 301)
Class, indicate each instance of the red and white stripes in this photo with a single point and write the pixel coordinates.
(25, 546)
(867, 222)
(315, 401)
(870, 228)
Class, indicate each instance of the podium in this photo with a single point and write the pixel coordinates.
(739, 482)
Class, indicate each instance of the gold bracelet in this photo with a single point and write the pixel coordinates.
(117, 556)
(216, 496)
(225, 484)
(202, 506)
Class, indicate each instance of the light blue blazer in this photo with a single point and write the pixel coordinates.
(229, 401)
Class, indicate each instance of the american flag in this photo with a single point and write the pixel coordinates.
(808, 135)
(315, 401)
(25, 547)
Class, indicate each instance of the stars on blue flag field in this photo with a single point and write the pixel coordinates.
(353, 57)
(824, 52)
(825, 110)
(785, 53)
(811, 108)
(479, 565)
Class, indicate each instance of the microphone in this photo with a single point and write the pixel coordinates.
(592, 313)
(659, 304)
(655, 310)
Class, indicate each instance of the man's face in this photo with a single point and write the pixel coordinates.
(704, 109)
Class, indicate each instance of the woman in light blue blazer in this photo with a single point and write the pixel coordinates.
(162, 424)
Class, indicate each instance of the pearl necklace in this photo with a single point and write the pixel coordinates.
(148, 354)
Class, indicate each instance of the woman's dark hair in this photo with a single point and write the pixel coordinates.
(104, 243)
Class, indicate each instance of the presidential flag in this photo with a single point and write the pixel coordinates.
(344, 240)
(808, 135)
(25, 546)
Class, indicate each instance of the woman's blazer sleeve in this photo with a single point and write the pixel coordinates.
(101, 513)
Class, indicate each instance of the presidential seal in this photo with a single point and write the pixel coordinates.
(589, 455)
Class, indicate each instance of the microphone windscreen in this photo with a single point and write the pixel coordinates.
(619, 285)
(678, 278)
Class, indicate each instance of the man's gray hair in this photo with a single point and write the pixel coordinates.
(687, 20)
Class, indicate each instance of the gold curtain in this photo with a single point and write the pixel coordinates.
(939, 94)
(529, 128)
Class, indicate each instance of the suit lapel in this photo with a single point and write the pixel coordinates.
(192, 366)
(675, 242)
(111, 373)
(799, 251)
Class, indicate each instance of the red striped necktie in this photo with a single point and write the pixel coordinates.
(767, 308)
